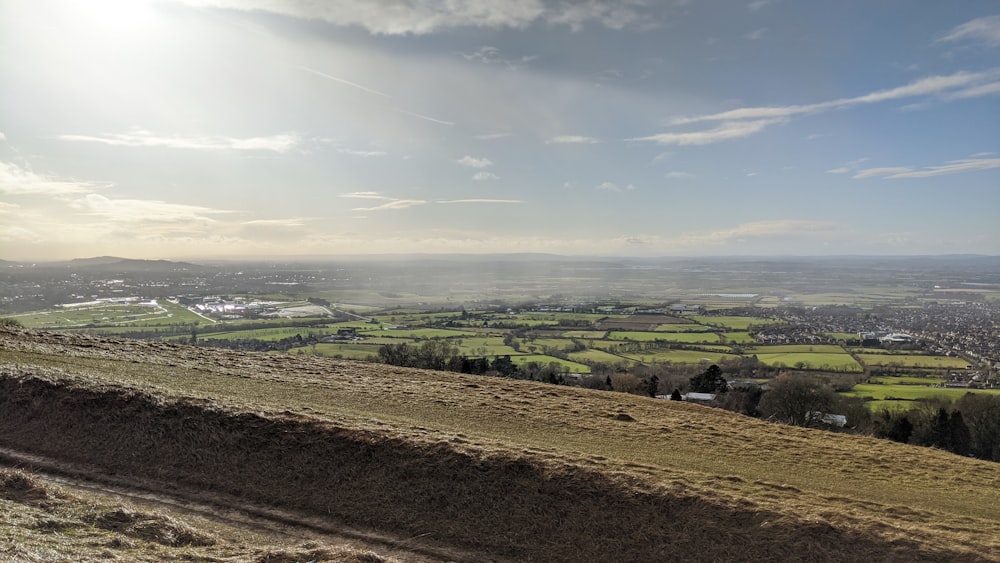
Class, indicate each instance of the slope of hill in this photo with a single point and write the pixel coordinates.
(500, 468)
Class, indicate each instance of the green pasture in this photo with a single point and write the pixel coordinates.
(679, 356)
(732, 322)
(593, 356)
(738, 338)
(682, 327)
(543, 360)
(483, 346)
(906, 380)
(913, 361)
(586, 334)
(265, 334)
(796, 349)
(350, 351)
(683, 337)
(883, 351)
(879, 393)
(841, 335)
(818, 361)
(416, 333)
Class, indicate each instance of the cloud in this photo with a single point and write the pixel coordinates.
(613, 187)
(743, 122)
(725, 131)
(985, 29)
(15, 180)
(362, 154)
(839, 170)
(279, 223)
(143, 211)
(776, 229)
(393, 204)
(491, 136)
(756, 34)
(474, 162)
(365, 195)
(421, 17)
(281, 143)
(345, 82)
(485, 176)
(758, 5)
(2, 136)
(571, 140)
(952, 167)
(491, 56)
(680, 175)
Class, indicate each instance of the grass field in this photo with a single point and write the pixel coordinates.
(683, 337)
(679, 356)
(423, 333)
(797, 349)
(126, 316)
(817, 361)
(512, 470)
(732, 323)
(913, 361)
(598, 356)
(585, 334)
(883, 395)
(575, 367)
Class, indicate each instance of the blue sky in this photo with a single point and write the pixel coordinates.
(205, 128)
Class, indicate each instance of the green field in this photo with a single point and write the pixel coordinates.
(913, 361)
(679, 356)
(732, 323)
(351, 351)
(890, 396)
(586, 334)
(797, 349)
(124, 315)
(682, 327)
(416, 333)
(573, 367)
(738, 338)
(598, 356)
(818, 361)
(685, 337)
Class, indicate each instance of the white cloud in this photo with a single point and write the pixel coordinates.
(281, 143)
(725, 131)
(2, 136)
(491, 136)
(15, 180)
(756, 34)
(474, 162)
(757, 5)
(571, 140)
(953, 167)
(393, 204)
(840, 170)
(613, 187)
(142, 211)
(748, 121)
(882, 171)
(491, 55)
(781, 228)
(485, 176)
(365, 195)
(985, 29)
(362, 154)
(676, 175)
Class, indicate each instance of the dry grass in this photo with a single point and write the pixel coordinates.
(43, 522)
(506, 468)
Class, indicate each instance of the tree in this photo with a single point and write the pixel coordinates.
(792, 397)
(960, 438)
(709, 381)
(900, 430)
(654, 383)
(676, 395)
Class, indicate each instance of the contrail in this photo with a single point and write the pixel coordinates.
(342, 81)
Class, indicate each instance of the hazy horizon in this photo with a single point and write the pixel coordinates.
(207, 129)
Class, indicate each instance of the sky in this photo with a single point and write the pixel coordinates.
(186, 129)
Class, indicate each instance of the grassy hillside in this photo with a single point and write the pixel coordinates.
(507, 469)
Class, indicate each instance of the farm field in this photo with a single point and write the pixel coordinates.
(913, 361)
(895, 396)
(810, 360)
(732, 323)
(685, 337)
(420, 450)
(679, 356)
(598, 356)
(543, 360)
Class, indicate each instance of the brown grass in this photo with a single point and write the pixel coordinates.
(509, 469)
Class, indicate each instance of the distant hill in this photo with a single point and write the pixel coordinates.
(503, 469)
(129, 265)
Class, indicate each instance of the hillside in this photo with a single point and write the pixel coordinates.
(499, 468)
